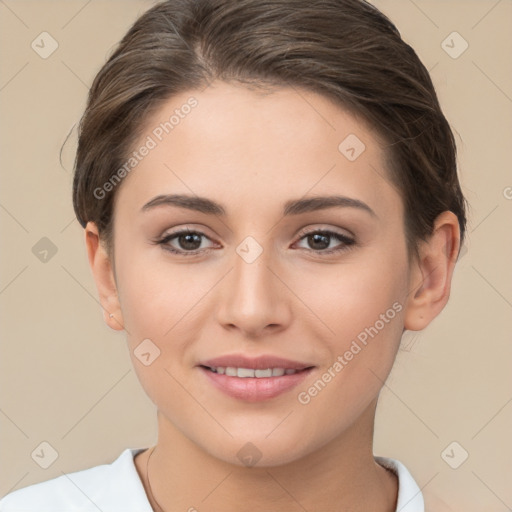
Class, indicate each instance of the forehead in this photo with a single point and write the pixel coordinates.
(250, 149)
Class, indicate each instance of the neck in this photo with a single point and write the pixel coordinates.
(341, 475)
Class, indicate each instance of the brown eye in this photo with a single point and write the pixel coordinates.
(320, 240)
(188, 242)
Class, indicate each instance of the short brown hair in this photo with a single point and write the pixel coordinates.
(346, 50)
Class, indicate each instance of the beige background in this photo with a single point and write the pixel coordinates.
(67, 379)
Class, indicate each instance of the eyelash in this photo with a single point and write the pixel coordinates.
(347, 244)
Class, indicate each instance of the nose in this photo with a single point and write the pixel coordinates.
(253, 297)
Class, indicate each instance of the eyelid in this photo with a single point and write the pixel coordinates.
(324, 228)
(300, 234)
(183, 229)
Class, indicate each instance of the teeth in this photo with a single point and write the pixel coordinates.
(230, 371)
(244, 372)
(263, 373)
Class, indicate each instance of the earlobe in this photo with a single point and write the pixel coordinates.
(431, 275)
(103, 275)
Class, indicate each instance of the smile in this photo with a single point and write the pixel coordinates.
(231, 371)
(253, 385)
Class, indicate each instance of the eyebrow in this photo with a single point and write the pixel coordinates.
(291, 207)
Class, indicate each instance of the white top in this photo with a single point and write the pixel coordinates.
(117, 487)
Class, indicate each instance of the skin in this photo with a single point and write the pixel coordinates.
(290, 302)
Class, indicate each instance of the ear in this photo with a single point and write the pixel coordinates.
(103, 275)
(431, 275)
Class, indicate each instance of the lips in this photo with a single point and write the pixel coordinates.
(262, 362)
(254, 379)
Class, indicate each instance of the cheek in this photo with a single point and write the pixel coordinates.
(157, 302)
(155, 294)
(367, 319)
(164, 303)
(369, 306)
(362, 304)
(359, 295)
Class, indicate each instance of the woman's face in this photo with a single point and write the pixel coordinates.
(255, 281)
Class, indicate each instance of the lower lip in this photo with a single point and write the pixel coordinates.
(253, 389)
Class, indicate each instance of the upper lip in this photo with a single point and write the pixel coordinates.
(257, 363)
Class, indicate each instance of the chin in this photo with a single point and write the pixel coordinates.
(259, 451)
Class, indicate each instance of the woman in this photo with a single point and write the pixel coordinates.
(269, 197)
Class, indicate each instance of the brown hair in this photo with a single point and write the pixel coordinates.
(346, 50)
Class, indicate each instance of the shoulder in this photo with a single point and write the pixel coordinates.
(112, 487)
(410, 496)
